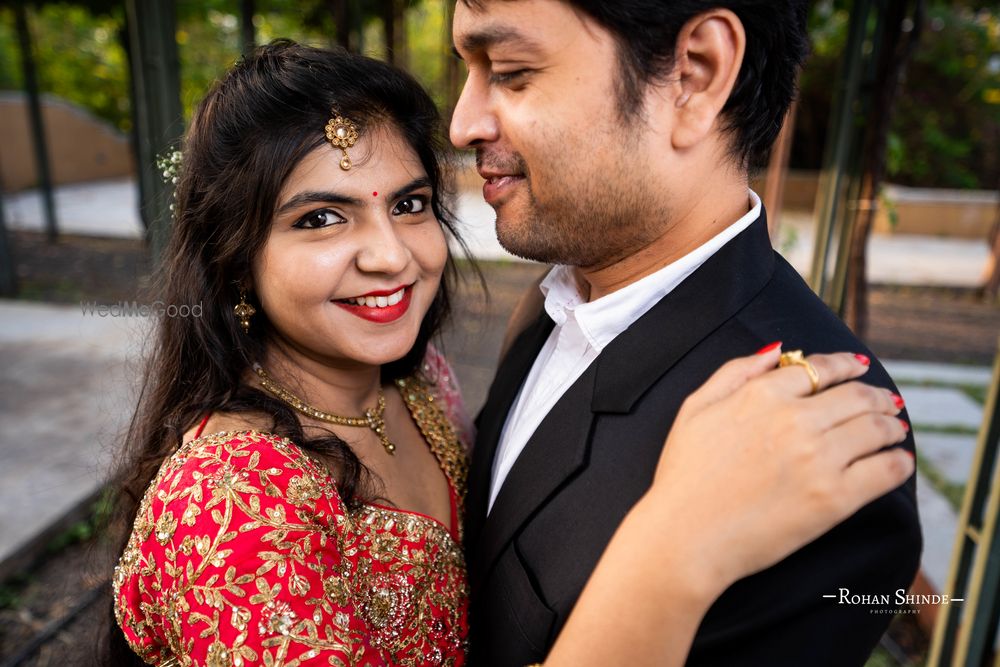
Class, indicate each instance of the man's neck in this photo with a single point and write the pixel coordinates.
(696, 224)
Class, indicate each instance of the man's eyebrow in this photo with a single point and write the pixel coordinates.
(484, 38)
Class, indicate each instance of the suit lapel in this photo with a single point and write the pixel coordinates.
(707, 299)
(556, 450)
(623, 372)
(511, 373)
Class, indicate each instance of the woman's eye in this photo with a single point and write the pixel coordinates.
(317, 219)
(410, 205)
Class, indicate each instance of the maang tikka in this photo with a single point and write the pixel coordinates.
(342, 133)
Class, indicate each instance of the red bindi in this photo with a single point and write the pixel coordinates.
(374, 194)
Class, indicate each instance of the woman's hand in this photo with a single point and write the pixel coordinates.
(755, 467)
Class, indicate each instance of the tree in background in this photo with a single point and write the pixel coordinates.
(945, 130)
(899, 36)
(82, 55)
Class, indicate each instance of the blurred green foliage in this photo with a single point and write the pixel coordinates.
(81, 57)
(946, 131)
(946, 127)
(951, 103)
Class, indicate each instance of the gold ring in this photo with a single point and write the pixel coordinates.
(796, 358)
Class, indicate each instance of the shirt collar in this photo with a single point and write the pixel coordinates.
(604, 319)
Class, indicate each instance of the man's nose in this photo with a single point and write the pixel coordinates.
(473, 122)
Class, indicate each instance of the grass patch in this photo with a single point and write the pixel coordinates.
(976, 392)
(10, 591)
(84, 530)
(952, 492)
(947, 429)
(881, 658)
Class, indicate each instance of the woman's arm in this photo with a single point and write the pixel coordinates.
(233, 561)
(753, 469)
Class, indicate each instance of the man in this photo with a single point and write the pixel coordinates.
(616, 139)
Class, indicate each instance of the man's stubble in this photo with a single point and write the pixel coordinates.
(589, 215)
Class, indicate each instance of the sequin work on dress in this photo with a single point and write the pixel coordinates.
(242, 553)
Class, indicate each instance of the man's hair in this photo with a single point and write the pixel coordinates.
(777, 44)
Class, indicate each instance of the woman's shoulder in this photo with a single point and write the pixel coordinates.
(438, 378)
(250, 466)
(229, 484)
(224, 509)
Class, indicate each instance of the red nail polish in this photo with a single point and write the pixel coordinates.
(863, 359)
(768, 348)
(906, 427)
(898, 400)
(910, 454)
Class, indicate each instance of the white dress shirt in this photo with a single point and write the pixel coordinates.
(582, 330)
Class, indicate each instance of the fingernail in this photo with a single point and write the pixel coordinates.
(906, 427)
(863, 359)
(898, 400)
(910, 454)
(768, 348)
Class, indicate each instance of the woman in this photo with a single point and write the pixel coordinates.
(283, 481)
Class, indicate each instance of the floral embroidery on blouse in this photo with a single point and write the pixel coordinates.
(242, 553)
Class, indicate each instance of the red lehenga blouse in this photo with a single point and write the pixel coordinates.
(243, 553)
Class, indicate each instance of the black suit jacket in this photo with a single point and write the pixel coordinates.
(594, 455)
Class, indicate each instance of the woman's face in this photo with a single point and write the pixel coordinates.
(354, 258)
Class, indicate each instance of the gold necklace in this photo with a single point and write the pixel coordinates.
(373, 418)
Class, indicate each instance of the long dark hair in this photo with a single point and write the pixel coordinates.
(247, 135)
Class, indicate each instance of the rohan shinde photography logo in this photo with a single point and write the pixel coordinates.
(899, 602)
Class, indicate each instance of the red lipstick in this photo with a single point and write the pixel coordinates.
(379, 314)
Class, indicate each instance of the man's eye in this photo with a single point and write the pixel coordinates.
(410, 205)
(317, 219)
(506, 78)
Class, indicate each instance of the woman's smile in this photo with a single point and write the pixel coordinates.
(380, 306)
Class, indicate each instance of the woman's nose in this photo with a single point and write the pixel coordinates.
(382, 250)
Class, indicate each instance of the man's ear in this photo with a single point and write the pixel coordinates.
(707, 61)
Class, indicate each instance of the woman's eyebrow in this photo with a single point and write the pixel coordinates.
(316, 197)
(330, 197)
(415, 184)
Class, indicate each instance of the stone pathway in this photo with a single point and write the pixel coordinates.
(65, 395)
(945, 420)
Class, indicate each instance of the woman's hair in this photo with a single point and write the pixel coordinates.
(247, 135)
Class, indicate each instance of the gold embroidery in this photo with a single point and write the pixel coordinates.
(372, 577)
(439, 433)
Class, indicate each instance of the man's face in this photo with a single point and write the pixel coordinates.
(567, 175)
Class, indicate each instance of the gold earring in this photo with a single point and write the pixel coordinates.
(342, 134)
(244, 311)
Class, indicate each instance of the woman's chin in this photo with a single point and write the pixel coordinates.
(385, 353)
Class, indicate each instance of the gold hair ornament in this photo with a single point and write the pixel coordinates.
(342, 133)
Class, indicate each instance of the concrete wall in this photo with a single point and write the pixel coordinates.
(81, 147)
(937, 212)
